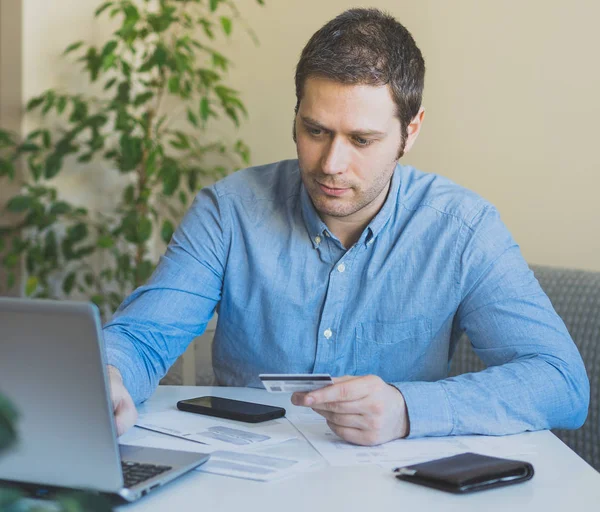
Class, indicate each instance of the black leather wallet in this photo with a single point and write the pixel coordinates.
(467, 472)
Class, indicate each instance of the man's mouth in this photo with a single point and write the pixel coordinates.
(333, 191)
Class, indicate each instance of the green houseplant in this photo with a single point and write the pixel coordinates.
(161, 49)
(161, 52)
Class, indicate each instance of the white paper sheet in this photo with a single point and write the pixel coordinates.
(252, 465)
(396, 453)
(261, 463)
(216, 432)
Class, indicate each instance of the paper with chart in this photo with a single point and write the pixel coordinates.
(338, 452)
(217, 433)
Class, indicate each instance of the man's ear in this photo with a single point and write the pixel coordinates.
(294, 129)
(294, 123)
(413, 129)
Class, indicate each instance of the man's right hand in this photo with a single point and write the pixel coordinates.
(123, 406)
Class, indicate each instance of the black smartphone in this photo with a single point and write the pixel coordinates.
(231, 409)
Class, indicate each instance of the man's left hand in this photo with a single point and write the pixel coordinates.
(361, 410)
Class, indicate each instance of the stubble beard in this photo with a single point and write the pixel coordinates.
(343, 207)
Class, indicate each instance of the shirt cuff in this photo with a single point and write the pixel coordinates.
(122, 362)
(429, 410)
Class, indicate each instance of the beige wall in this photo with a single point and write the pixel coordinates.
(512, 100)
(512, 103)
(10, 102)
(48, 28)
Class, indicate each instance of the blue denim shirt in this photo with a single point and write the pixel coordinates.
(434, 262)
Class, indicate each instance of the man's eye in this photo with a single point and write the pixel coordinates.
(362, 142)
(314, 131)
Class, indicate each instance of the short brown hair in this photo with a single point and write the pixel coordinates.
(367, 47)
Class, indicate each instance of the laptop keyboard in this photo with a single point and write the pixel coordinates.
(136, 472)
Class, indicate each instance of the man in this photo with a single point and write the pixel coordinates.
(345, 262)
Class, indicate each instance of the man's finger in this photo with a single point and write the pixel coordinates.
(357, 421)
(351, 407)
(353, 435)
(125, 416)
(344, 391)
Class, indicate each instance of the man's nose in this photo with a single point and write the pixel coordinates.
(336, 159)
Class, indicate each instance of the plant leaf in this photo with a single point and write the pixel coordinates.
(53, 165)
(214, 4)
(102, 8)
(68, 283)
(18, 204)
(109, 48)
(50, 97)
(72, 47)
(77, 232)
(60, 208)
(35, 102)
(144, 230)
(192, 118)
(31, 285)
(170, 176)
(51, 248)
(140, 99)
(166, 231)
(7, 168)
(131, 152)
(226, 24)
(204, 108)
(173, 84)
(109, 84)
(182, 141)
(105, 242)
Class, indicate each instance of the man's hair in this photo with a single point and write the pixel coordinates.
(367, 47)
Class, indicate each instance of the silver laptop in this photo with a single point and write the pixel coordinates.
(53, 369)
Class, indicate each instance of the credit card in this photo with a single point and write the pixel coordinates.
(294, 382)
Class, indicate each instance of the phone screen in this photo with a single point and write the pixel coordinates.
(234, 407)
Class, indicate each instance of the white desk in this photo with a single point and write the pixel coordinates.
(562, 481)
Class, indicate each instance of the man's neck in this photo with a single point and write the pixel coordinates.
(348, 229)
(347, 233)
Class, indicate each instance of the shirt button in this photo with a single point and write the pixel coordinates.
(317, 239)
(327, 333)
(341, 267)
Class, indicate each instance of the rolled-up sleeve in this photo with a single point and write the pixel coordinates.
(156, 323)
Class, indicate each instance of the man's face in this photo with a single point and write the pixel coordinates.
(348, 141)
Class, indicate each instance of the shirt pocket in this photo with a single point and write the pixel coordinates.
(392, 350)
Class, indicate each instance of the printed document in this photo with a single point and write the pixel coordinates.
(263, 463)
(252, 466)
(217, 433)
(338, 452)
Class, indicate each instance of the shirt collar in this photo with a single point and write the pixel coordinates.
(380, 220)
(317, 228)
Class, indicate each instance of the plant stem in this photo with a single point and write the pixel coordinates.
(142, 205)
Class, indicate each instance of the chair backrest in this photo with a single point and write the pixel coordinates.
(575, 294)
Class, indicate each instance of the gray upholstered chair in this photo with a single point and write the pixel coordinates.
(575, 295)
